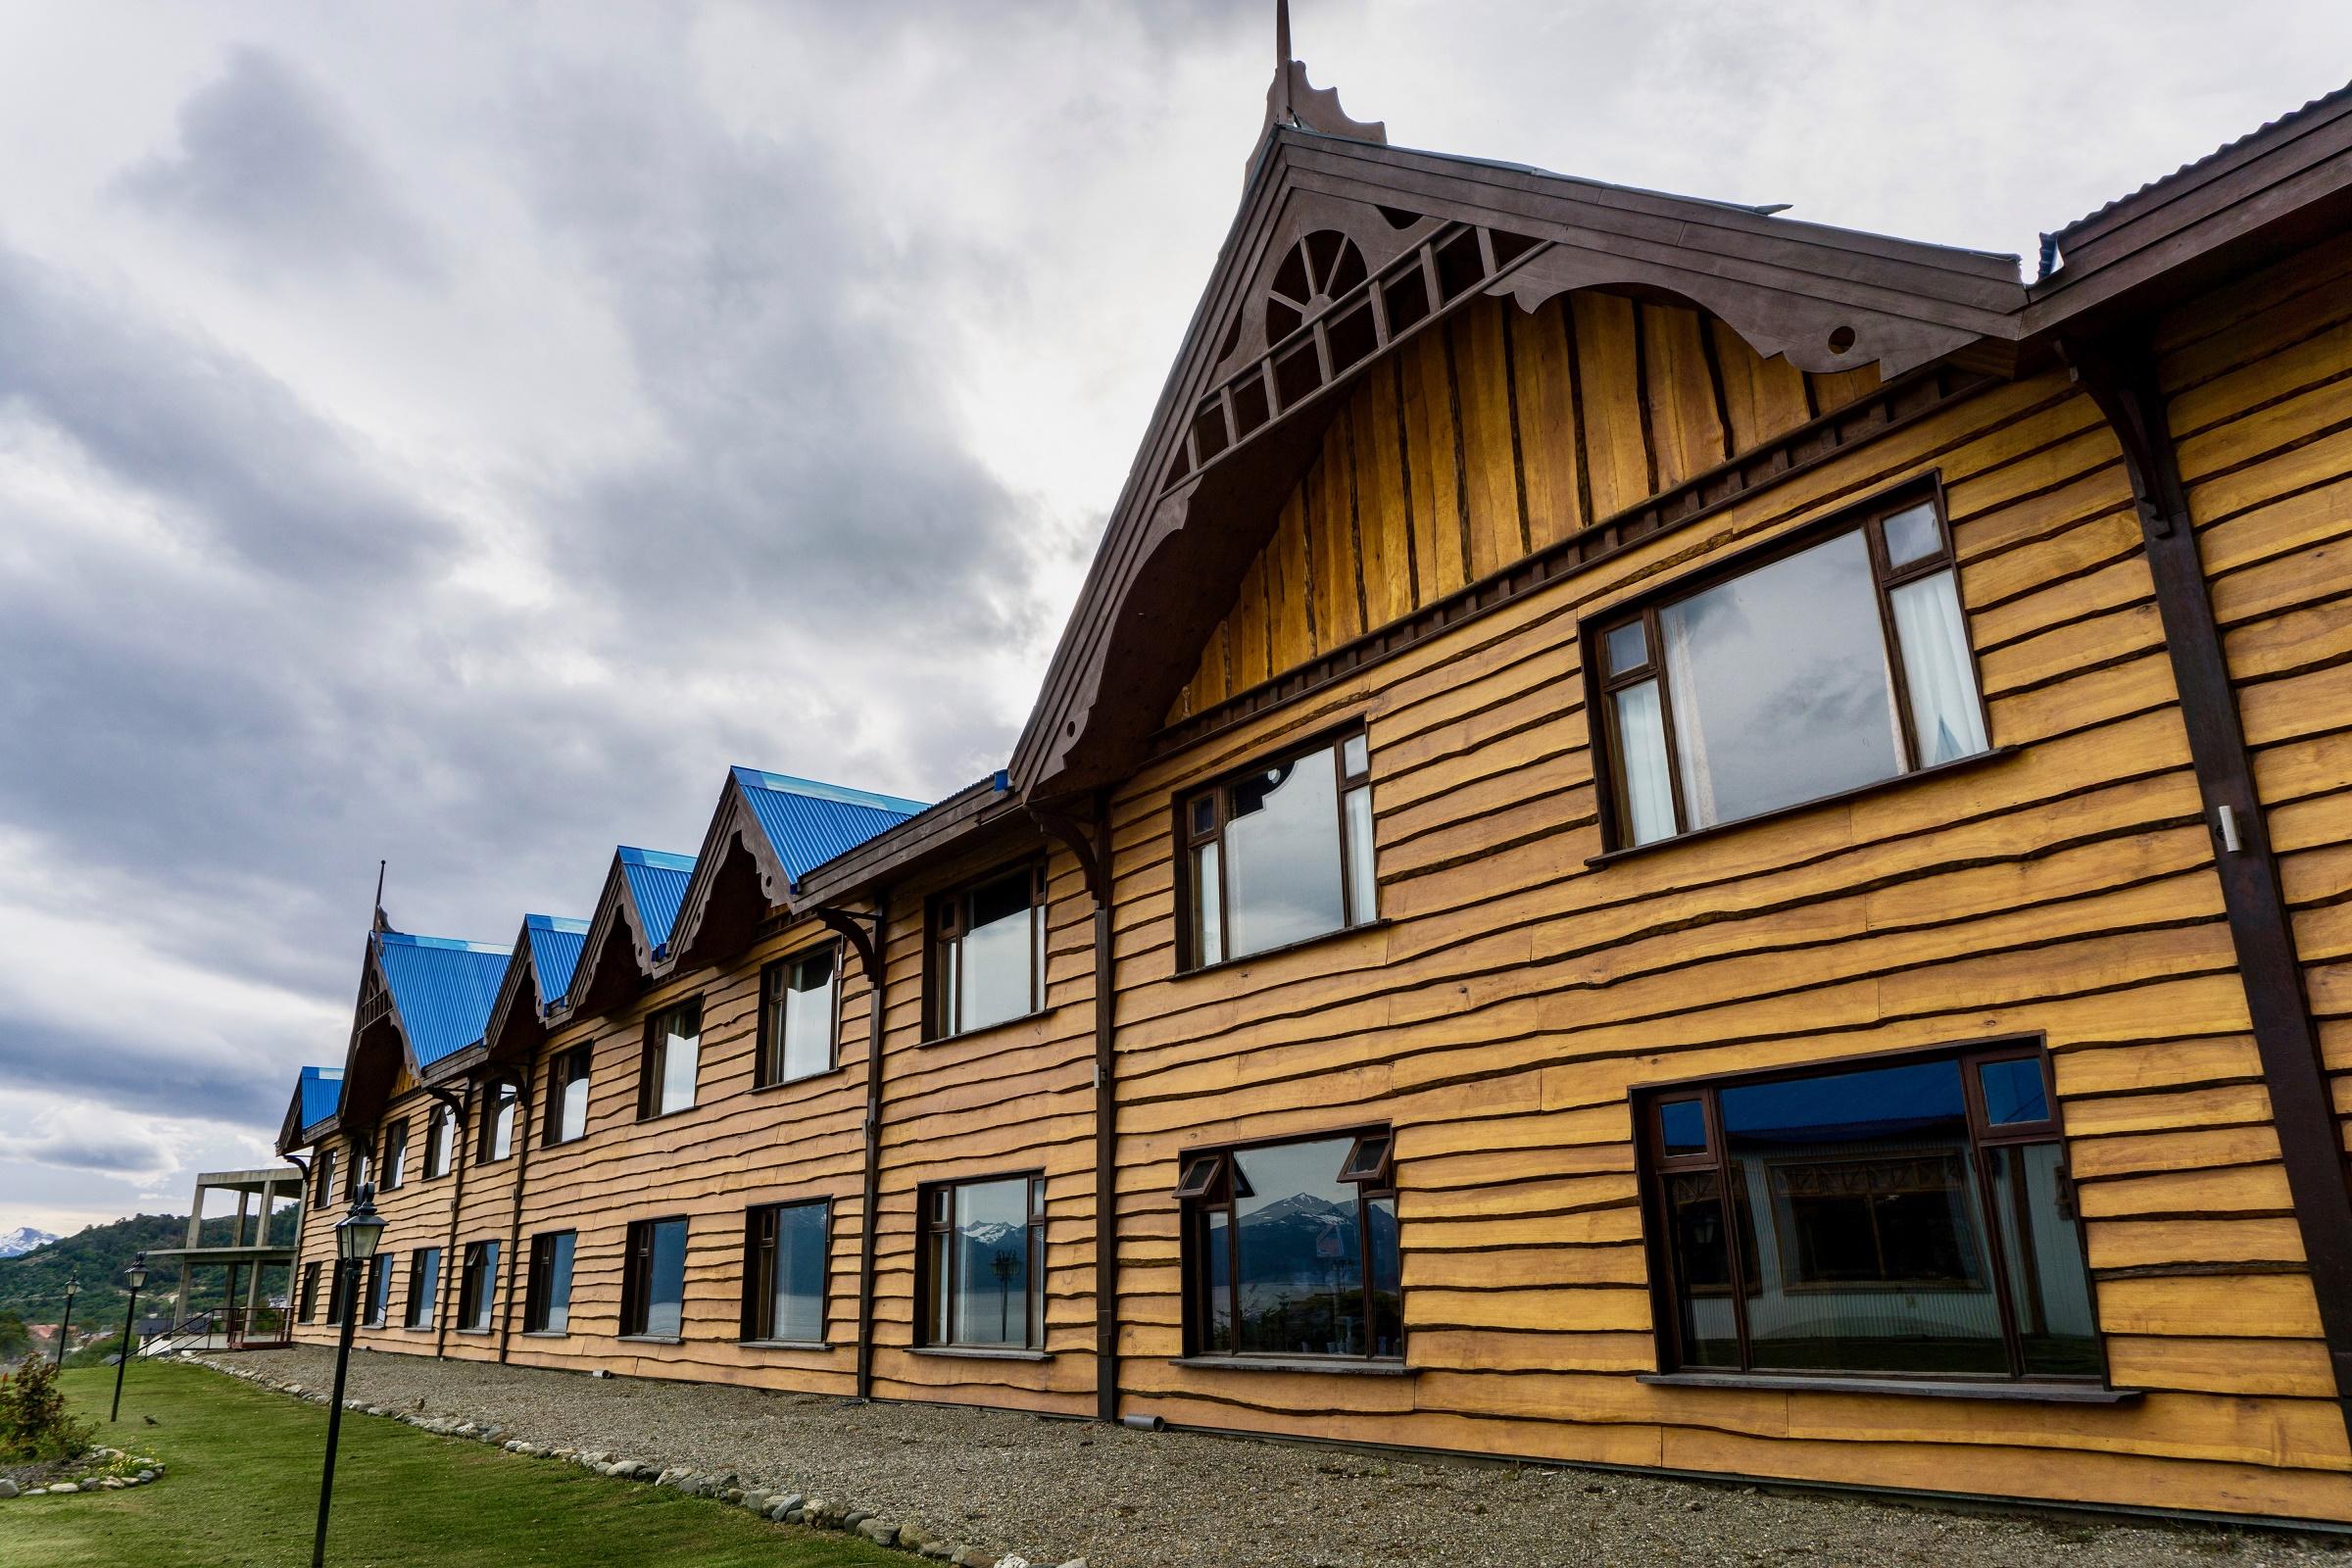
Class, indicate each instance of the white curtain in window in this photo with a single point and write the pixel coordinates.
(1690, 733)
(1943, 684)
(1641, 739)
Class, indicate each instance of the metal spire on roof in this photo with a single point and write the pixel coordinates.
(1293, 100)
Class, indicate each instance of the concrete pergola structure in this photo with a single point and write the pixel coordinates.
(250, 1246)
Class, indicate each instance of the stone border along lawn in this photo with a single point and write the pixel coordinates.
(784, 1507)
(99, 1469)
(984, 1485)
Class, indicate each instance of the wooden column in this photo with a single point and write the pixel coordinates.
(2120, 374)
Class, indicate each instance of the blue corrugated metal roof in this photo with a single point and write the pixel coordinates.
(556, 945)
(657, 886)
(321, 1092)
(442, 988)
(807, 824)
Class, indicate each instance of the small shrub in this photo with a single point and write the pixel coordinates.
(33, 1424)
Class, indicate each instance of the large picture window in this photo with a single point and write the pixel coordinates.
(673, 1056)
(653, 1280)
(988, 953)
(983, 1263)
(567, 1095)
(1909, 1218)
(547, 1295)
(797, 1018)
(1290, 1250)
(1280, 854)
(784, 1273)
(424, 1286)
(477, 1288)
(1832, 664)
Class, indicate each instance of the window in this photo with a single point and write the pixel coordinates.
(798, 1020)
(497, 1122)
(1290, 1250)
(784, 1273)
(379, 1291)
(440, 1138)
(568, 1096)
(325, 1194)
(477, 1287)
(1906, 1219)
(357, 1178)
(310, 1293)
(338, 1289)
(1832, 664)
(988, 950)
(547, 1302)
(674, 1049)
(1279, 854)
(424, 1286)
(396, 1154)
(653, 1280)
(982, 1262)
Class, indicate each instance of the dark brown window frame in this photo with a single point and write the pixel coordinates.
(653, 1053)
(393, 1173)
(1653, 1164)
(1602, 684)
(927, 1225)
(360, 1170)
(424, 1285)
(379, 1272)
(308, 1307)
(495, 1092)
(324, 1179)
(946, 920)
(759, 1265)
(478, 1262)
(1205, 1182)
(539, 1279)
(338, 1290)
(443, 1126)
(1219, 790)
(575, 1064)
(636, 1283)
(767, 1070)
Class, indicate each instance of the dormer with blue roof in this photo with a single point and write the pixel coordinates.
(318, 1097)
(771, 831)
(537, 980)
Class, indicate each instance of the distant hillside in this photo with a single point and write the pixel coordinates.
(34, 1285)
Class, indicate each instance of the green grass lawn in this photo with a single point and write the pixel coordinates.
(243, 1490)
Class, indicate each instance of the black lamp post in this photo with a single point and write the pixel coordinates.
(356, 1236)
(65, 1329)
(134, 1277)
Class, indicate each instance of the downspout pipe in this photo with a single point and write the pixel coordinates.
(2120, 374)
(868, 936)
(524, 1131)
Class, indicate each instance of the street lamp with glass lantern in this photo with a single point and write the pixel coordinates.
(356, 1237)
(134, 1277)
(65, 1329)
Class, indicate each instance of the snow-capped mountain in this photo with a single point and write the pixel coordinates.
(22, 1240)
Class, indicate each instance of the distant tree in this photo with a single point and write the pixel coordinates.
(15, 1341)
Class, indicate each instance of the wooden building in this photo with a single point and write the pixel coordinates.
(1662, 837)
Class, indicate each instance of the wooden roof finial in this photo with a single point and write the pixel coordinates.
(1291, 100)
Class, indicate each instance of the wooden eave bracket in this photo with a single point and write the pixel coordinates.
(861, 929)
(1091, 857)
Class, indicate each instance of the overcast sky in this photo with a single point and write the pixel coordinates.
(455, 433)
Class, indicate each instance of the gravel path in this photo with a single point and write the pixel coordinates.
(1057, 1489)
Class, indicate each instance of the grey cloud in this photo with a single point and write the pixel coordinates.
(266, 165)
(117, 1153)
(182, 1078)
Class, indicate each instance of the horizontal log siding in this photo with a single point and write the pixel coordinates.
(2258, 387)
(1017, 1097)
(1501, 1020)
(738, 1147)
(416, 1214)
